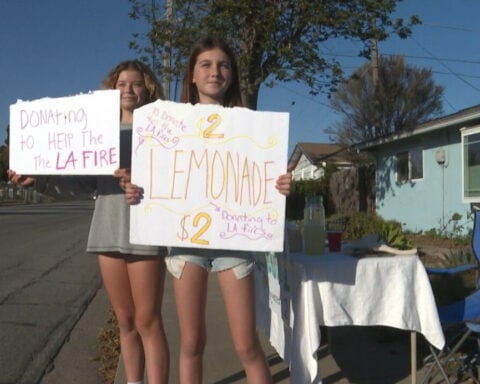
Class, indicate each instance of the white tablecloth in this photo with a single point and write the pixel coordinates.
(296, 294)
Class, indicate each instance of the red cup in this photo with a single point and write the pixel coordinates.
(334, 241)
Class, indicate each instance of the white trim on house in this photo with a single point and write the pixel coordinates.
(458, 118)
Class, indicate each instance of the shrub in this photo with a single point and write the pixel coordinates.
(361, 224)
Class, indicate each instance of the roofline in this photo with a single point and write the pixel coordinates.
(298, 152)
(433, 125)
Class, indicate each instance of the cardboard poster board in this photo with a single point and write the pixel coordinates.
(68, 135)
(208, 175)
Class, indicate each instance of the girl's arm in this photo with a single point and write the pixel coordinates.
(59, 187)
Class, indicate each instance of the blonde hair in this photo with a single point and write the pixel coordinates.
(155, 90)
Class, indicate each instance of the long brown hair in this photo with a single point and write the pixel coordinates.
(233, 96)
(155, 90)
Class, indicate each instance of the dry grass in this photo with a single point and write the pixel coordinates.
(109, 350)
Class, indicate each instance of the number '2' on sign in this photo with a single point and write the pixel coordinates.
(208, 175)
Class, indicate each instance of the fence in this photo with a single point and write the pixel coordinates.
(15, 194)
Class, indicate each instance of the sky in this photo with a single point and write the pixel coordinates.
(57, 48)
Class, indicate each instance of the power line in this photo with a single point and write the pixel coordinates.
(445, 66)
(463, 61)
(316, 101)
(443, 59)
(458, 74)
(439, 60)
(449, 104)
(310, 98)
(452, 27)
(330, 52)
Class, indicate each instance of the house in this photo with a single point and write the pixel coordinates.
(309, 159)
(426, 176)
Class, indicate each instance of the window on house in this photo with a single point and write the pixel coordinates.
(409, 165)
(471, 164)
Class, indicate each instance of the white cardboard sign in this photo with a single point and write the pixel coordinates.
(66, 135)
(208, 175)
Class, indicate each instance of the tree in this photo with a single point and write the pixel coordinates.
(403, 97)
(275, 40)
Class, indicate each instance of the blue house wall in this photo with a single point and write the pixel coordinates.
(429, 202)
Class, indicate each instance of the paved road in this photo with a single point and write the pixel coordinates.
(47, 280)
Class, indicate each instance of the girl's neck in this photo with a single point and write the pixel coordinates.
(209, 100)
(126, 117)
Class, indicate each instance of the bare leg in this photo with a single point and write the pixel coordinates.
(190, 296)
(117, 284)
(239, 297)
(147, 278)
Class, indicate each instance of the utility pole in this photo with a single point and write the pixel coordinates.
(374, 65)
(167, 52)
(374, 61)
(374, 53)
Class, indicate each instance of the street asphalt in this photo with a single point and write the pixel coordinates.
(47, 282)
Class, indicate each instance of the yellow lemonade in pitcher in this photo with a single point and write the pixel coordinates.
(314, 226)
(314, 239)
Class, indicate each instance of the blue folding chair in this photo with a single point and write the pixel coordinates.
(464, 312)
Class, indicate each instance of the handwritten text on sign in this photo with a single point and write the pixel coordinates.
(67, 135)
(209, 177)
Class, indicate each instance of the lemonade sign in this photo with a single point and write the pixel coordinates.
(208, 175)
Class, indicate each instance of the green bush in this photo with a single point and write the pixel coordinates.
(361, 224)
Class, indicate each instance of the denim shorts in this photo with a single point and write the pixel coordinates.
(241, 263)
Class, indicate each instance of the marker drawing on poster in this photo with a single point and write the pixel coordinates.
(66, 135)
(208, 175)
